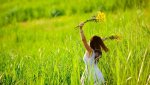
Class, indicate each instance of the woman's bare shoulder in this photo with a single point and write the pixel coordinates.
(88, 54)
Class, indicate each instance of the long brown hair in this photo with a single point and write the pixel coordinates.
(96, 43)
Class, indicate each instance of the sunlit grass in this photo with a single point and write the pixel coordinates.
(50, 51)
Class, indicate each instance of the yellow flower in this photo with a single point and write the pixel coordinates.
(115, 37)
(100, 16)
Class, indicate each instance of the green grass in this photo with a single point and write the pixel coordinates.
(49, 50)
(16, 11)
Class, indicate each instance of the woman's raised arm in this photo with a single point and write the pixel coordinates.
(88, 48)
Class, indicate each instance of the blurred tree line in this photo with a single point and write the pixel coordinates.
(35, 9)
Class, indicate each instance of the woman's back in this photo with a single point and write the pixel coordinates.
(92, 71)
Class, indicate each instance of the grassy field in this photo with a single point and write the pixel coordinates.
(39, 45)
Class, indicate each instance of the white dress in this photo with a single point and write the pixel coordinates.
(92, 74)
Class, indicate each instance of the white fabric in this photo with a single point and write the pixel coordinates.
(91, 72)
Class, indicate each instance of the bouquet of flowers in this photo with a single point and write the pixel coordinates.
(100, 17)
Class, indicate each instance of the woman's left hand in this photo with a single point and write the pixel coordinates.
(81, 25)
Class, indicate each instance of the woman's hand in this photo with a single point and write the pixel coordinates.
(81, 25)
(88, 48)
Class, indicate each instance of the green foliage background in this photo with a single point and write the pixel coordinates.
(39, 45)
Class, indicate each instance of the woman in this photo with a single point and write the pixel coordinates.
(92, 74)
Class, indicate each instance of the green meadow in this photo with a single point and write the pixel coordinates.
(40, 46)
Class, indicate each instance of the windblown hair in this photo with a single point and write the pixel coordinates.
(96, 43)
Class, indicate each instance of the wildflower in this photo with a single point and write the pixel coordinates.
(117, 37)
(100, 16)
